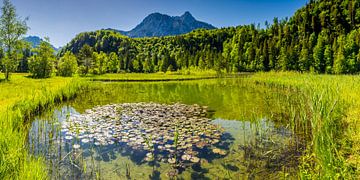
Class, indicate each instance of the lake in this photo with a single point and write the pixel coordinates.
(247, 136)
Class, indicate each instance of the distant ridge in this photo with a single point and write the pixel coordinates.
(157, 24)
(35, 41)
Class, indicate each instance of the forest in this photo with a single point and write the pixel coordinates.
(321, 37)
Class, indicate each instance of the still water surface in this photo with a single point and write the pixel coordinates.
(256, 145)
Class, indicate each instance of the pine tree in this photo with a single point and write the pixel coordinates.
(304, 58)
(328, 56)
(283, 60)
(340, 61)
(318, 55)
(86, 59)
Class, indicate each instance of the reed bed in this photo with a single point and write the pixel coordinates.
(328, 113)
(20, 99)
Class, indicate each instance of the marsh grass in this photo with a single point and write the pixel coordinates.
(138, 77)
(20, 99)
(327, 113)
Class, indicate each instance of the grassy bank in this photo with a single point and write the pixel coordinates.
(144, 77)
(148, 77)
(329, 112)
(19, 99)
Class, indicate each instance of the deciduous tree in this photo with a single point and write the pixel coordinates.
(68, 65)
(42, 63)
(12, 28)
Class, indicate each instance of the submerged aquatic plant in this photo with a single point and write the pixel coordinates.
(151, 147)
(175, 143)
(128, 171)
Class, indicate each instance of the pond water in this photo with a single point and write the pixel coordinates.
(242, 137)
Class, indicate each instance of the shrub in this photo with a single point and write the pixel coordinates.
(67, 65)
(42, 63)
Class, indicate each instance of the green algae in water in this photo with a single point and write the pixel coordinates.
(254, 148)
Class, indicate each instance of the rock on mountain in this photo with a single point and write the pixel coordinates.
(157, 24)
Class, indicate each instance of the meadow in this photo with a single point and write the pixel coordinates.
(326, 115)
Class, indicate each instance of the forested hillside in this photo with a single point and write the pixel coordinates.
(201, 47)
(322, 37)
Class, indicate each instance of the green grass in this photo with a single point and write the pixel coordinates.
(21, 98)
(327, 113)
(151, 77)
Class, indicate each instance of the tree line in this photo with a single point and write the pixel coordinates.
(321, 37)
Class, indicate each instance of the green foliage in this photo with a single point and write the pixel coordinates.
(100, 63)
(326, 111)
(12, 28)
(305, 42)
(86, 59)
(21, 98)
(304, 59)
(153, 54)
(42, 63)
(340, 60)
(10, 62)
(318, 55)
(25, 53)
(328, 58)
(67, 66)
(114, 63)
(284, 60)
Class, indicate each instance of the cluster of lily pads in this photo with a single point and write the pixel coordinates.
(177, 131)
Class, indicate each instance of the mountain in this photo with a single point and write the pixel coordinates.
(314, 39)
(35, 41)
(157, 24)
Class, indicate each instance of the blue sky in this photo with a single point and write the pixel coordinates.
(61, 20)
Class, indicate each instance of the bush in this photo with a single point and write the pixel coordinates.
(82, 70)
(67, 65)
(42, 63)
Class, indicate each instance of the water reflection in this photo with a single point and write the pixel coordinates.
(254, 145)
(254, 149)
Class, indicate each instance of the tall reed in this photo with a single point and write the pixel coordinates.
(20, 99)
(321, 113)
